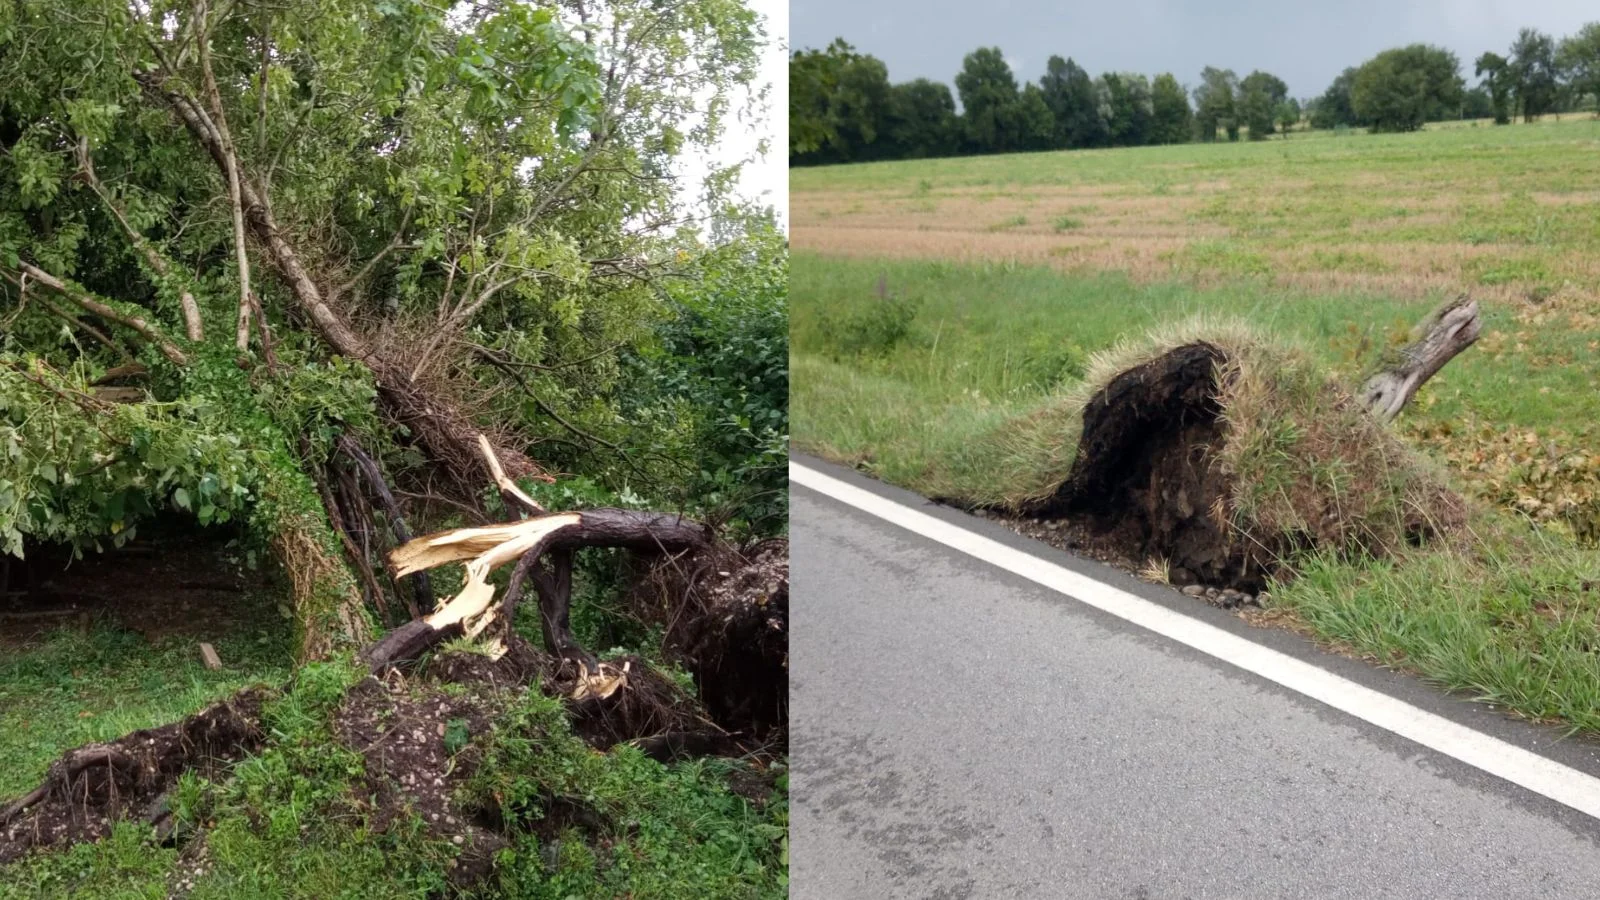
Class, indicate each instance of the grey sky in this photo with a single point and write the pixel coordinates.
(1305, 44)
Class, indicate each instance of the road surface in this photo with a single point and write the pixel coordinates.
(959, 731)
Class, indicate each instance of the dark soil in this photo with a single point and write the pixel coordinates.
(1144, 483)
(649, 710)
(172, 581)
(90, 788)
(417, 742)
(726, 617)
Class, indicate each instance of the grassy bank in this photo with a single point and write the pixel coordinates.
(909, 368)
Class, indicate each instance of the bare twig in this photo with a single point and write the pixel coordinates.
(367, 267)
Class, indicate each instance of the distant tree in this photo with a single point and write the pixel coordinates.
(1172, 122)
(1130, 115)
(1259, 95)
(1334, 108)
(1033, 122)
(1579, 61)
(922, 120)
(989, 101)
(837, 102)
(1478, 103)
(1070, 94)
(1399, 89)
(1288, 115)
(1495, 75)
(1533, 73)
(1214, 104)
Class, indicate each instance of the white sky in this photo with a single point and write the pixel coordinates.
(765, 179)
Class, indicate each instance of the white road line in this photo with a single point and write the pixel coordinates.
(1543, 776)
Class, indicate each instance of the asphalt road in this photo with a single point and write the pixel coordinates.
(962, 732)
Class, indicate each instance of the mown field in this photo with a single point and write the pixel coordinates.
(936, 303)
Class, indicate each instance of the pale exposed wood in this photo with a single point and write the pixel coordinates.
(473, 609)
(513, 495)
(209, 654)
(1450, 330)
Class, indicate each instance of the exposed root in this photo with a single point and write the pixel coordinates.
(642, 707)
(88, 789)
(1225, 461)
(726, 616)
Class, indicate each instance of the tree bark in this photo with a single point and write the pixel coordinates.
(473, 609)
(1443, 335)
(169, 348)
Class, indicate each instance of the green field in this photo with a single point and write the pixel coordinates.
(936, 304)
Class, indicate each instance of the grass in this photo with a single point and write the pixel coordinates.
(294, 821)
(1335, 246)
(989, 342)
(74, 688)
(1509, 211)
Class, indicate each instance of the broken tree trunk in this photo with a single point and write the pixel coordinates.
(474, 609)
(1443, 335)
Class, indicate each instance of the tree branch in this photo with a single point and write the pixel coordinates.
(168, 348)
(191, 310)
(1448, 331)
(231, 169)
(367, 267)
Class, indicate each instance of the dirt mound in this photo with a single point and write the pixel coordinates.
(419, 751)
(1147, 478)
(725, 613)
(90, 788)
(1222, 461)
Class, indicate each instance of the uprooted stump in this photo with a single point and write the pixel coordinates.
(1222, 457)
(725, 615)
(1147, 468)
(90, 788)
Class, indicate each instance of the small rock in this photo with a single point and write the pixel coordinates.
(1195, 590)
(1263, 598)
(457, 840)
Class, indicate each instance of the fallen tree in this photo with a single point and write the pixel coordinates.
(617, 701)
(321, 239)
(1216, 453)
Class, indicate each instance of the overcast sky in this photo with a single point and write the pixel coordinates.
(764, 178)
(1305, 44)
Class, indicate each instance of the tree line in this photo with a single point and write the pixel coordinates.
(843, 108)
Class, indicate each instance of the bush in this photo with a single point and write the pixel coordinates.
(721, 369)
(874, 330)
